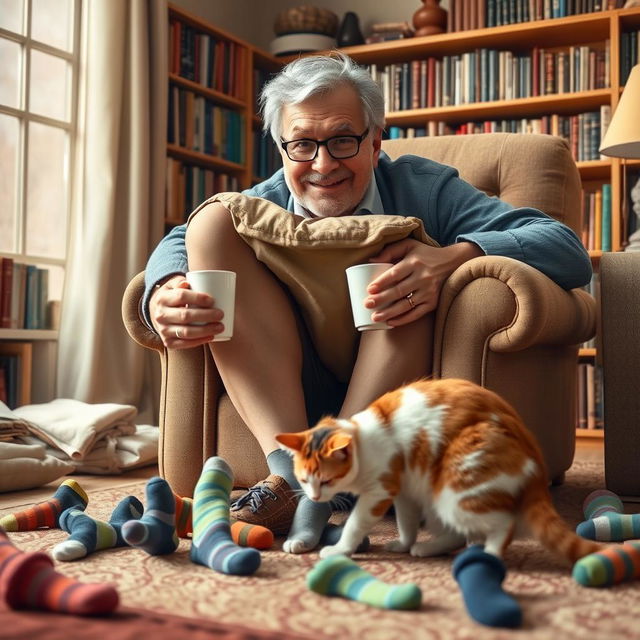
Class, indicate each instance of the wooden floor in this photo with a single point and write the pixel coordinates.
(586, 449)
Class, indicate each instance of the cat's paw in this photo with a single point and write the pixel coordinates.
(333, 550)
(293, 545)
(397, 546)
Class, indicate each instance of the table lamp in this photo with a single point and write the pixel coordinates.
(622, 140)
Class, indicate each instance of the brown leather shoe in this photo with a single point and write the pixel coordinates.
(270, 503)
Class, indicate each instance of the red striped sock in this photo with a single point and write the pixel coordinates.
(29, 581)
(47, 514)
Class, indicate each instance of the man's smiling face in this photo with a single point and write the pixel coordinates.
(326, 186)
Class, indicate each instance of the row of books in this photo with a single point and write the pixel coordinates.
(590, 409)
(198, 124)
(190, 185)
(15, 373)
(24, 293)
(266, 157)
(260, 78)
(596, 218)
(629, 53)
(477, 14)
(582, 131)
(485, 75)
(215, 63)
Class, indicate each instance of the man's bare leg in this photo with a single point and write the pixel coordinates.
(261, 365)
(388, 359)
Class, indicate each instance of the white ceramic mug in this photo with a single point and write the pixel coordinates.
(221, 286)
(358, 278)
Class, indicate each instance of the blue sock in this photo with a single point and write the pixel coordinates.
(480, 577)
(89, 534)
(212, 545)
(155, 532)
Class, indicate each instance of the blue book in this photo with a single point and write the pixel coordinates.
(606, 217)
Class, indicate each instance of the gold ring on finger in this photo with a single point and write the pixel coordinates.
(409, 298)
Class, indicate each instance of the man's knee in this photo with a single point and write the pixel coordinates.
(211, 231)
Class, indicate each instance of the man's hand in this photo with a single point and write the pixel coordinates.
(174, 308)
(411, 288)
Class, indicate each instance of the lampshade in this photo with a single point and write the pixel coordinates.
(622, 139)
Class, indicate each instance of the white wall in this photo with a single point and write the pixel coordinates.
(252, 20)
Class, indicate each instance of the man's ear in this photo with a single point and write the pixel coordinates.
(291, 441)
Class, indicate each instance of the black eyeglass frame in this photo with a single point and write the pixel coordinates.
(325, 143)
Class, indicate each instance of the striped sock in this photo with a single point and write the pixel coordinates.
(184, 511)
(212, 545)
(155, 532)
(29, 581)
(613, 565)
(341, 576)
(90, 534)
(242, 533)
(604, 519)
(47, 514)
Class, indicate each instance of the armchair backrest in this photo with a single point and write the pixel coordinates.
(532, 170)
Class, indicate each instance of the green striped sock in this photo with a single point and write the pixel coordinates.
(89, 534)
(612, 565)
(341, 576)
(605, 521)
(212, 545)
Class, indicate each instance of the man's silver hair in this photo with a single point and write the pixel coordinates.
(309, 76)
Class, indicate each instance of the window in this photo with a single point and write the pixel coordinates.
(39, 50)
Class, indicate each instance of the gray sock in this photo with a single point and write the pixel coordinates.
(280, 463)
(310, 517)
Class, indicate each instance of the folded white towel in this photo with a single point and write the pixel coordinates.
(75, 427)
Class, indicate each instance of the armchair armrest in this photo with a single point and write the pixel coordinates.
(189, 397)
(132, 317)
(514, 306)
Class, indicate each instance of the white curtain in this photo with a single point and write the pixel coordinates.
(118, 200)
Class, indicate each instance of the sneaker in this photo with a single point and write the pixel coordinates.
(270, 503)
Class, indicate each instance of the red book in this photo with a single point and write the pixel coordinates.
(6, 278)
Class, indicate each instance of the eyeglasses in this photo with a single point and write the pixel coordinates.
(339, 147)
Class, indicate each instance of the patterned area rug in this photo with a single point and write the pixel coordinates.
(276, 597)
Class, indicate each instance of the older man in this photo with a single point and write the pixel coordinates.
(326, 115)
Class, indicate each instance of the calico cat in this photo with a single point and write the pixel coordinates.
(448, 451)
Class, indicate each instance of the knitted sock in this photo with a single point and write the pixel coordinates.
(212, 545)
(480, 575)
(184, 511)
(604, 519)
(310, 518)
(28, 581)
(331, 534)
(341, 576)
(47, 514)
(155, 532)
(90, 534)
(242, 533)
(610, 566)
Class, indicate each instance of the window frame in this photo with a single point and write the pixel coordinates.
(25, 118)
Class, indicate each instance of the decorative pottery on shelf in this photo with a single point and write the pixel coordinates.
(430, 18)
(304, 29)
(349, 33)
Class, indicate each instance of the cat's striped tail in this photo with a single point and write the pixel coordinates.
(549, 528)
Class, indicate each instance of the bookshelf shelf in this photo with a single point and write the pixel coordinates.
(203, 159)
(216, 96)
(590, 433)
(28, 334)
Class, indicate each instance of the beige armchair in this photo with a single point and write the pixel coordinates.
(499, 322)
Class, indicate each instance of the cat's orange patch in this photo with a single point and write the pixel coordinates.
(381, 508)
(420, 453)
(391, 479)
(488, 502)
(386, 406)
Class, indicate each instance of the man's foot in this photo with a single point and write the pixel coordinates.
(270, 503)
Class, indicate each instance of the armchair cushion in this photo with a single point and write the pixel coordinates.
(310, 257)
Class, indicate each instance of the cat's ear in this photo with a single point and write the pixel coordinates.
(291, 441)
(338, 445)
